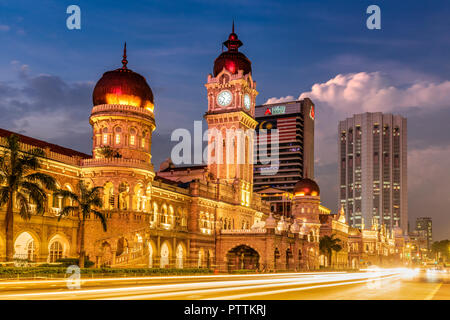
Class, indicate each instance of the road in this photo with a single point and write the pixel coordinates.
(389, 284)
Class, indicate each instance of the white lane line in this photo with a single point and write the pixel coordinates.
(432, 293)
(239, 296)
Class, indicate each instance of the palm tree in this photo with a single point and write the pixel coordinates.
(84, 204)
(328, 244)
(20, 182)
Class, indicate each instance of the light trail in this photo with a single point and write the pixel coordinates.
(154, 291)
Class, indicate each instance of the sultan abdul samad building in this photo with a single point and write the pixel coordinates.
(210, 219)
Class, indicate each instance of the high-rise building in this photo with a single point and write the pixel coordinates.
(425, 224)
(295, 123)
(372, 174)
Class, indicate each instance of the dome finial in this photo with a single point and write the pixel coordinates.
(124, 60)
(232, 29)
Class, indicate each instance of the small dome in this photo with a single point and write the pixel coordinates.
(270, 222)
(232, 60)
(123, 86)
(306, 187)
(295, 228)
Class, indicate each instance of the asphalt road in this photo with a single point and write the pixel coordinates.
(383, 284)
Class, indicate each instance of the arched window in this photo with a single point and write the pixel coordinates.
(117, 131)
(144, 137)
(56, 251)
(132, 136)
(105, 135)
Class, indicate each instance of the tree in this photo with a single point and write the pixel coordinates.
(441, 249)
(20, 182)
(83, 203)
(328, 244)
(108, 152)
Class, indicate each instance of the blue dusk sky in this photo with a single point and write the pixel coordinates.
(319, 49)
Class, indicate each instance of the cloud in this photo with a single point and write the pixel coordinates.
(428, 137)
(370, 92)
(4, 27)
(47, 107)
(279, 100)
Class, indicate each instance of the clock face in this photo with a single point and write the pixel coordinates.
(224, 98)
(247, 102)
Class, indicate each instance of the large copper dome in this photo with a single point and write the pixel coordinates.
(123, 86)
(306, 187)
(232, 60)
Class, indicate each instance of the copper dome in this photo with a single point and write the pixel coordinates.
(306, 187)
(232, 60)
(123, 86)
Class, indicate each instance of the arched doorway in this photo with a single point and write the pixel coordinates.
(25, 247)
(164, 262)
(276, 257)
(289, 256)
(242, 257)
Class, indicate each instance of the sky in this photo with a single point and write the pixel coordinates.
(317, 49)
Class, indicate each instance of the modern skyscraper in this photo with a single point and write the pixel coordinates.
(373, 169)
(425, 224)
(295, 123)
(292, 159)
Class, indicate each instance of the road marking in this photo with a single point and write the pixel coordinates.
(435, 290)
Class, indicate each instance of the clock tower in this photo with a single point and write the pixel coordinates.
(230, 118)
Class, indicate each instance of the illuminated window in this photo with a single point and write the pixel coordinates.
(143, 143)
(56, 251)
(132, 136)
(105, 139)
(117, 138)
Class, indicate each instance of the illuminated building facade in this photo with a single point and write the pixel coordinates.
(373, 169)
(295, 124)
(426, 224)
(200, 216)
(203, 216)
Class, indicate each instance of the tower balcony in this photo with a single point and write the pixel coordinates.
(122, 109)
(117, 162)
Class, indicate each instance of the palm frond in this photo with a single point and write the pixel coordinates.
(66, 194)
(46, 180)
(4, 195)
(101, 216)
(36, 194)
(66, 211)
(22, 201)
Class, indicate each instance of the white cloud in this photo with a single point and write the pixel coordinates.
(371, 92)
(280, 100)
(4, 27)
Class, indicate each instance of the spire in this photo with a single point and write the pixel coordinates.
(124, 60)
(233, 43)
